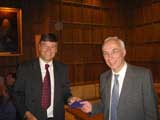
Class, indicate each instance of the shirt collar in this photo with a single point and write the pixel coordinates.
(42, 62)
(122, 71)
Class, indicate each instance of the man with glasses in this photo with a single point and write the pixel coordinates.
(126, 90)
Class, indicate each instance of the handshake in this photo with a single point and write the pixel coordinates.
(85, 106)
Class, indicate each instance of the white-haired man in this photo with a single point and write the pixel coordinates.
(126, 90)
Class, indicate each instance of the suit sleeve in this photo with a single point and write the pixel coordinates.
(99, 106)
(67, 91)
(20, 91)
(150, 102)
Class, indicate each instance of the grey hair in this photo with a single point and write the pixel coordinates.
(116, 39)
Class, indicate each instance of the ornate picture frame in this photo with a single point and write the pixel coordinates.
(10, 31)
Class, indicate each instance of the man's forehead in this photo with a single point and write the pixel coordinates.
(111, 44)
(48, 42)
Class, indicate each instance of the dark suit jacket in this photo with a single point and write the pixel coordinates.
(137, 99)
(28, 89)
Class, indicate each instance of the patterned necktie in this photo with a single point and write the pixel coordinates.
(115, 98)
(46, 90)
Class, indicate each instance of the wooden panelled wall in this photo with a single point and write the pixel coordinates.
(8, 64)
(143, 35)
(85, 24)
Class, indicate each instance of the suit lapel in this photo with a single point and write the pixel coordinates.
(56, 74)
(109, 77)
(127, 83)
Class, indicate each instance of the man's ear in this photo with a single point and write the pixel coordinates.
(57, 48)
(124, 52)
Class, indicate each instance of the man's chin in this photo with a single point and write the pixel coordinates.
(113, 68)
(47, 60)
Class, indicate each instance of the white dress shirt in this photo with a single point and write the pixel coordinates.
(51, 72)
(121, 77)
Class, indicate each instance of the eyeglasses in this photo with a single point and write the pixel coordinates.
(113, 53)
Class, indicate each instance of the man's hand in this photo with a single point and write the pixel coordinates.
(30, 116)
(73, 99)
(87, 106)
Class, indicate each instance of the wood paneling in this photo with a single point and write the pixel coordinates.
(147, 14)
(87, 15)
(155, 32)
(144, 36)
(66, 13)
(86, 23)
(155, 11)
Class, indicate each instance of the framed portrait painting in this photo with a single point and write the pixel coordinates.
(10, 31)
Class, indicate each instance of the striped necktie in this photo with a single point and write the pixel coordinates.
(115, 98)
